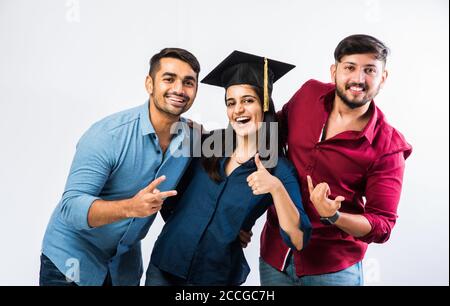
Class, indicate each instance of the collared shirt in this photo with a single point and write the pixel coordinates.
(199, 241)
(114, 159)
(366, 167)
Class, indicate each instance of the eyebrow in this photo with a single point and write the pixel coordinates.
(369, 65)
(171, 74)
(246, 96)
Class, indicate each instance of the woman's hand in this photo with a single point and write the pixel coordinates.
(261, 181)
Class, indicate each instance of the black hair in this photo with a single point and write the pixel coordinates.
(361, 44)
(211, 164)
(178, 53)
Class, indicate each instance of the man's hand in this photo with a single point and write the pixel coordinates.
(149, 200)
(261, 181)
(245, 238)
(319, 197)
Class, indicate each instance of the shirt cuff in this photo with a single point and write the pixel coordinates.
(380, 231)
(76, 211)
(306, 229)
(287, 239)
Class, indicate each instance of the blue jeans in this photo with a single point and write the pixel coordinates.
(269, 276)
(51, 276)
(157, 277)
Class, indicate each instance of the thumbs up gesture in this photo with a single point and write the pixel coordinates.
(261, 181)
(319, 197)
(149, 200)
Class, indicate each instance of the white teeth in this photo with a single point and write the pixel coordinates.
(240, 119)
(176, 100)
(356, 88)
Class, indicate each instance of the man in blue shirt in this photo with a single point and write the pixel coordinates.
(124, 167)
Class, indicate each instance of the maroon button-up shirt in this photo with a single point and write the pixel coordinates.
(366, 167)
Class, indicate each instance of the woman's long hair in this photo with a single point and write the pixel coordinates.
(273, 148)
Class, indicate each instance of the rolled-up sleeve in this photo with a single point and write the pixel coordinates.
(383, 190)
(88, 174)
(292, 186)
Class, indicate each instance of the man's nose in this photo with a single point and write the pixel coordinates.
(177, 87)
(359, 76)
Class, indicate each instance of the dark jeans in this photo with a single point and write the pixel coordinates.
(51, 276)
(157, 277)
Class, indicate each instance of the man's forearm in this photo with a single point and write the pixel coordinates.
(104, 212)
(355, 225)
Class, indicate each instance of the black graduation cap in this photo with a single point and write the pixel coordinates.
(244, 68)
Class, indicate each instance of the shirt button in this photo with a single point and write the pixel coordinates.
(158, 151)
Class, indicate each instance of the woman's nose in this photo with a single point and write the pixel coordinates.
(239, 108)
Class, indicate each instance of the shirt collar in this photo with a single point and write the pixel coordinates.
(249, 165)
(146, 124)
(369, 130)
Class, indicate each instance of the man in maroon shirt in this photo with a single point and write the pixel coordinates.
(350, 162)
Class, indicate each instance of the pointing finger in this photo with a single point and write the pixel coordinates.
(166, 194)
(155, 183)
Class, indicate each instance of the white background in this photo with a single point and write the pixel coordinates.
(66, 64)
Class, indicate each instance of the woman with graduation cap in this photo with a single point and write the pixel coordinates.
(220, 195)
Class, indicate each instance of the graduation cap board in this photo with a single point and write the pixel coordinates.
(244, 68)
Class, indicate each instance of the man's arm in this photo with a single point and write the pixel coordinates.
(81, 205)
(91, 166)
(282, 118)
(354, 225)
(383, 189)
(146, 202)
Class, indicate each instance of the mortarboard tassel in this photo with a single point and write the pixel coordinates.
(266, 87)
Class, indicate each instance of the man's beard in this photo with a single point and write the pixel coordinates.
(352, 104)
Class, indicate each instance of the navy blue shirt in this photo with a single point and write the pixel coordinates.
(199, 241)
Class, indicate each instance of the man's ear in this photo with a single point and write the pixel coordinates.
(383, 77)
(149, 84)
(333, 72)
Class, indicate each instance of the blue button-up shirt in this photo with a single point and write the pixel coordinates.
(199, 240)
(114, 159)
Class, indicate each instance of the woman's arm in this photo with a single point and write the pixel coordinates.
(288, 215)
(263, 182)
